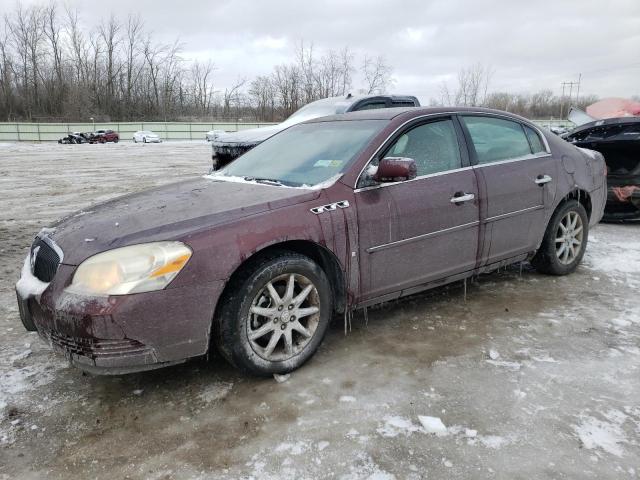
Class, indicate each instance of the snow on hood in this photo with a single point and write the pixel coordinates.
(217, 176)
(250, 136)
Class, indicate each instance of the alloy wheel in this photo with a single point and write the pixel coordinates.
(569, 237)
(283, 317)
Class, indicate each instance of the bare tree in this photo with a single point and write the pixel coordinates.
(472, 87)
(52, 66)
(202, 86)
(377, 75)
(133, 68)
(232, 96)
(110, 38)
(263, 93)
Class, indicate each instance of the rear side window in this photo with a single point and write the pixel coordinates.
(534, 140)
(372, 105)
(434, 147)
(402, 103)
(495, 139)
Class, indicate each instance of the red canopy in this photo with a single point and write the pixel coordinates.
(613, 108)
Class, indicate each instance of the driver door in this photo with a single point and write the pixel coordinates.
(421, 230)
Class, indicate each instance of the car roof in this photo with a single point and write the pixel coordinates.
(409, 112)
(351, 99)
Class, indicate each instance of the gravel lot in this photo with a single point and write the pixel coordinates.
(532, 376)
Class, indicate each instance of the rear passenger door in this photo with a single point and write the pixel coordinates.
(516, 178)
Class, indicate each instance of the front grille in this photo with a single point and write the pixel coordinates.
(96, 348)
(46, 261)
(232, 152)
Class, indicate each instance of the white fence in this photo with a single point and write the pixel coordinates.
(45, 132)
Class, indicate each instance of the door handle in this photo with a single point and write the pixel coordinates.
(462, 197)
(542, 179)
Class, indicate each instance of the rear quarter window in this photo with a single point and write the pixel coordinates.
(534, 140)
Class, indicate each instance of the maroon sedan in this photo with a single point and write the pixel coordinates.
(325, 217)
(104, 136)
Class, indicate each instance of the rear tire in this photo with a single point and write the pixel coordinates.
(275, 314)
(565, 240)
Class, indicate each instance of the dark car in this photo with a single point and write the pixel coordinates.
(76, 138)
(618, 139)
(104, 136)
(226, 147)
(328, 216)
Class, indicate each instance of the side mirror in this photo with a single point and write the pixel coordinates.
(396, 169)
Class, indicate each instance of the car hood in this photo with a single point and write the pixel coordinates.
(250, 136)
(169, 212)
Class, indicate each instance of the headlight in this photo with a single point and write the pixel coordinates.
(134, 269)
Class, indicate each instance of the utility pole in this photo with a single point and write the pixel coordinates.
(570, 85)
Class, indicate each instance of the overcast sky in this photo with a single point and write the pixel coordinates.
(530, 45)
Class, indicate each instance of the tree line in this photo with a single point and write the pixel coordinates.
(52, 68)
(471, 88)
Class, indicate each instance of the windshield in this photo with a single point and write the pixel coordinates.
(305, 155)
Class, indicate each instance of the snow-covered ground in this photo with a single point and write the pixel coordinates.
(531, 377)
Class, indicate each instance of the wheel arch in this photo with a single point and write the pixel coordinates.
(582, 197)
(321, 255)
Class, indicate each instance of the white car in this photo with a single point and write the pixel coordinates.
(211, 135)
(146, 136)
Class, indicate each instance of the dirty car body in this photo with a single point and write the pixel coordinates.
(226, 147)
(618, 139)
(394, 201)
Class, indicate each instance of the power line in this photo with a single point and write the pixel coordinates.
(570, 85)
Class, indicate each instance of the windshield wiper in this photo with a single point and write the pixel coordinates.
(266, 181)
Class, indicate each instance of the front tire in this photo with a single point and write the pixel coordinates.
(565, 240)
(275, 314)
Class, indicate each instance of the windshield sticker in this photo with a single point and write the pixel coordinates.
(328, 163)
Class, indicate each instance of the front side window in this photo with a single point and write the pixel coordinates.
(496, 139)
(434, 147)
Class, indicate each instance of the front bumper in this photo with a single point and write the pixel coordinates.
(123, 334)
